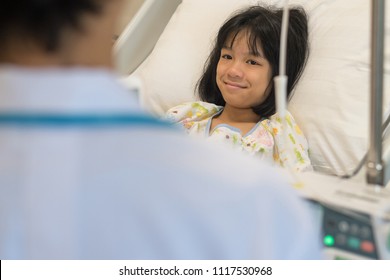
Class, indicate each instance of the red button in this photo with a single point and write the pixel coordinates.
(367, 246)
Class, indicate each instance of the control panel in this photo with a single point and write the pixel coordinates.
(348, 234)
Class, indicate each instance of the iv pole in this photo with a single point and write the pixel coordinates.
(375, 165)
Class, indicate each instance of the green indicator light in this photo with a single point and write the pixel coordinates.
(329, 240)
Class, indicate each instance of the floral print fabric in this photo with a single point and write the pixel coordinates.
(268, 139)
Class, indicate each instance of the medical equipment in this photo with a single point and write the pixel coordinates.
(375, 164)
(334, 86)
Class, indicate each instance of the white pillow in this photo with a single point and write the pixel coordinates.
(331, 101)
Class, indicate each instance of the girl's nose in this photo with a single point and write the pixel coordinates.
(235, 70)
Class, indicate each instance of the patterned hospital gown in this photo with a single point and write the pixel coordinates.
(265, 140)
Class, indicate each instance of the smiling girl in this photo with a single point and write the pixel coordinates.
(237, 91)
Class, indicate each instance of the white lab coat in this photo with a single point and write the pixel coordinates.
(128, 191)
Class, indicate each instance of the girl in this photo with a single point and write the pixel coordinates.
(237, 90)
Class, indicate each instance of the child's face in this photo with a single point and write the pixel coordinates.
(242, 77)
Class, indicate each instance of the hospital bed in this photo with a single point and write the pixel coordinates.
(161, 53)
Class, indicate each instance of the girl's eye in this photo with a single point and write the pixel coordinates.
(252, 62)
(226, 56)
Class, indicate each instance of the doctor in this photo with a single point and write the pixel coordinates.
(85, 174)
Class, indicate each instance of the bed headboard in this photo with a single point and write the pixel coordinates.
(330, 102)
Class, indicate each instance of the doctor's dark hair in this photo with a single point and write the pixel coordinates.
(43, 21)
(263, 26)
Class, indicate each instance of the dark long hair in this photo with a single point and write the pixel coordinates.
(263, 24)
(43, 21)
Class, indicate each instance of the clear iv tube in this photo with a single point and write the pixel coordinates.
(281, 86)
(281, 80)
(283, 39)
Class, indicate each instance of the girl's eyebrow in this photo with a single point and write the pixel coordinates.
(258, 54)
(251, 53)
